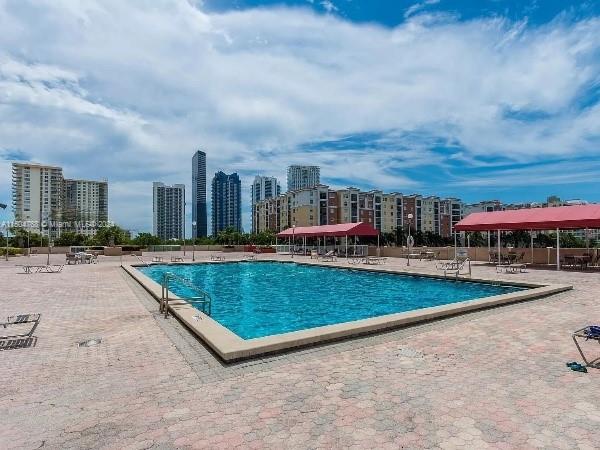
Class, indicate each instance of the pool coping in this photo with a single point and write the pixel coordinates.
(230, 347)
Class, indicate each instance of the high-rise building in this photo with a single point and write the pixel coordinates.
(302, 177)
(85, 205)
(44, 200)
(226, 202)
(38, 196)
(200, 229)
(168, 210)
(263, 188)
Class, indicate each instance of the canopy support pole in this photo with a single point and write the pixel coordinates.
(499, 249)
(378, 251)
(557, 249)
(346, 247)
(489, 246)
(455, 245)
(587, 241)
(531, 234)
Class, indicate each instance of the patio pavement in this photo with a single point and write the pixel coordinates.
(490, 379)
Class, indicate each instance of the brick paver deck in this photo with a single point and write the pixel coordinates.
(491, 379)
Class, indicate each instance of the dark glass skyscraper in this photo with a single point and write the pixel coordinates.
(199, 195)
(226, 202)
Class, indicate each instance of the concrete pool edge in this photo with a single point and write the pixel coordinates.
(230, 347)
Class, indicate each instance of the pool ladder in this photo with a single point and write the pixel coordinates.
(202, 300)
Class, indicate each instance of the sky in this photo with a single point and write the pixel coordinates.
(479, 100)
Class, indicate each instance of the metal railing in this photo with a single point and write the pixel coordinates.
(202, 300)
(140, 259)
(353, 249)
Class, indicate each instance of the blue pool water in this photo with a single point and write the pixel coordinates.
(256, 299)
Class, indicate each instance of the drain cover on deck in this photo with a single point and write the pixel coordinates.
(89, 342)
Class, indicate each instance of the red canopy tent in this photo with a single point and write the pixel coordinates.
(562, 217)
(324, 231)
(338, 230)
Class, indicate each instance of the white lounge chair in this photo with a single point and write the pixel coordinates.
(454, 267)
(329, 256)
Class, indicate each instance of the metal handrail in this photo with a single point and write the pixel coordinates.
(203, 298)
(141, 260)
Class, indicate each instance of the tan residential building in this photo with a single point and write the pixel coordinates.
(451, 212)
(430, 215)
(386, 212)
(391, 212)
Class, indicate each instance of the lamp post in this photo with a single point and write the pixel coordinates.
(3, 206)
(409, 239)
(6, 231)
(47, 216)
(193, 241)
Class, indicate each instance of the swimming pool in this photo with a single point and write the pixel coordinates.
(258, 299)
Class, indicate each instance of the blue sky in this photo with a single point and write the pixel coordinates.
(475, 99)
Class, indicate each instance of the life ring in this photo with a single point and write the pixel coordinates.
(410, 241)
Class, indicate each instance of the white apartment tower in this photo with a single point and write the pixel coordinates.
(37, 196)
(168, 210)
(302, 177)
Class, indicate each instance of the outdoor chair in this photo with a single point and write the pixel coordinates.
(214, 257)
(71, 258)
(314, 254)
(329, 256)
(454, 267)
(36, 268)
(375, 260)
(591, 332)
(21, 319)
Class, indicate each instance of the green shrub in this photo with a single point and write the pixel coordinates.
(12, 251)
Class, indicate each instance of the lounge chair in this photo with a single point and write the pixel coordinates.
(454, 267)
(214, 257)
(375, 260)
(33, 268)
(329, 256)
(21, 319)
(176, 259)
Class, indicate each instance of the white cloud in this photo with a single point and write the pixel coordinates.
(415, 8)
(328, 6)
(128, 91)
